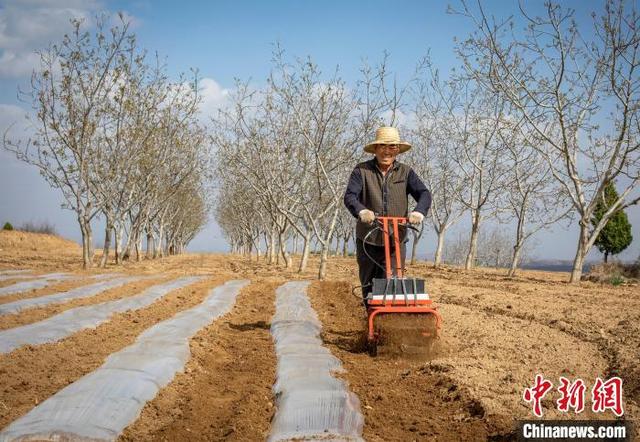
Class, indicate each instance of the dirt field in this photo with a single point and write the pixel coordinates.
(498, 333)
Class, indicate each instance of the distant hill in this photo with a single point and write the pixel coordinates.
(16, 241)
(555, 265)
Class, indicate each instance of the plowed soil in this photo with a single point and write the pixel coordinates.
(498, 333)
(225, 391)
(30, 315)
(31, 374)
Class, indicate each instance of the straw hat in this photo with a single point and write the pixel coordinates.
(387, 135)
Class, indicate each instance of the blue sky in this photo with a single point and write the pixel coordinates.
(234, 39)
(227, 40)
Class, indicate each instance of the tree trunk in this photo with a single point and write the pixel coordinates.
(606, 257)
(90, 244)
(249, 247)
(326, 244)
(345, 245)
(86, 239)
(157, 243)
(306, 248)
(578, 261)
(138, 247)
(515, 259)
(437, 260)
(118, 244)
(107, 244)
(272, 248)
(473, 241)
(150, 245)
(322, 271)
(288, 262)
(131, 240)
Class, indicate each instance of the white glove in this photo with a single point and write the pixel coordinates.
(366, 216)
(415, 217)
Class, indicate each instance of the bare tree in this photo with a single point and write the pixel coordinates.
(456, 250)
(474, 119)
(534, 201)
(345, 230)
(321, 113)
(435, 138)
(133, 113)
(295, 143)
(68, 93)
(494, 248)
(117, 138)
(254, 140)
(579, 99)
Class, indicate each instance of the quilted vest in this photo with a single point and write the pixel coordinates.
(384, 195)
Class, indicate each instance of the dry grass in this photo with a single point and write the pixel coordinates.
(35, 242)
(614, 272)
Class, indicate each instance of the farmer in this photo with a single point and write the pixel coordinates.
(380, 187)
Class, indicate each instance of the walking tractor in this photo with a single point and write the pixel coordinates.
(401, 315)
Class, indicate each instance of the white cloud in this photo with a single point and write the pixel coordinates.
(15, 65)
(214, 97)
(27, 26)
(402, 119)
(134, 22)
(12, 116)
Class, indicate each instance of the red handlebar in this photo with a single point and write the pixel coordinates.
(395, 222)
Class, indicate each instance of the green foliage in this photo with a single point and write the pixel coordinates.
(615, 236)
(616, 280)
(7, 226)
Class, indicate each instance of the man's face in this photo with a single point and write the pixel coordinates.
(386, 153)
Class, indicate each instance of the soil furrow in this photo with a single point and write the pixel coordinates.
(611, 344)
(31, 374)
(225, 391)
(402, 400)
(55, 287)
(39, 313)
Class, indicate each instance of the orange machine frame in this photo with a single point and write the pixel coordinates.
(379, 307)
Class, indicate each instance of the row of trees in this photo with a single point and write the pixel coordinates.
(284, 154)
(575, 95)
(119, 140)
(531, 128)
(495, 248)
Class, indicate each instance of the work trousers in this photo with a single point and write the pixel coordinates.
(368, 269)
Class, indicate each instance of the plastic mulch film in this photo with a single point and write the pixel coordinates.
(16, 275)
(41, 282)
(70, 321)
(57, 298)
(100, 405)
(312, 403)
